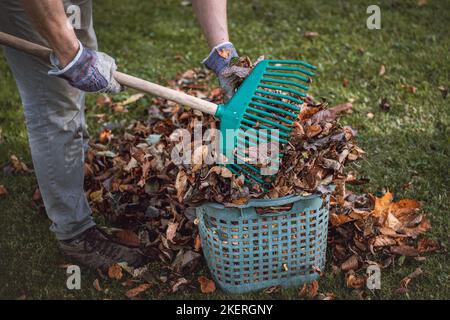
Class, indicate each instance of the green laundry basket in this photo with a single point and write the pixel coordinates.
(265, 242)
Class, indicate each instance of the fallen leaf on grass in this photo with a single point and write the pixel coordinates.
(382, 204)
(384, 105)
(272, 289)
(206, 285)
(326, 296)
(311, 34)
(406, 251)
(410, 89)
(96, 285)
(421, 3)
(353, 281)
(115, 272)
(309, 290)
(345, 83)
(444, 92)
(127, 237)
(105, 136)
(132, 99)
(104, 101)
(427, 245)
(138, 290)
(350, 264)
(18, 165)
(178, 283)
(382, 70)
(406, 280)
(405, 206)
(3, 190)
(37, 195)
(314, 289)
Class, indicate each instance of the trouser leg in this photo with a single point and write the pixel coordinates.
(54, 114)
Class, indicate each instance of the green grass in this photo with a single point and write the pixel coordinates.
(408, 144)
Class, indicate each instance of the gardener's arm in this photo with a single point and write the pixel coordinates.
(82, 67)
(212, 16)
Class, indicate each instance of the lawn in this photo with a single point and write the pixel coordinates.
(408, 147)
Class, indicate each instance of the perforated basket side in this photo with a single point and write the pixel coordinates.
(246, 251)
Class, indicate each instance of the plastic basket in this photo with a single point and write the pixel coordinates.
(247, 251)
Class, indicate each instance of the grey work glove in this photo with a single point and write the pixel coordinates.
(219, 60)
(89, 71)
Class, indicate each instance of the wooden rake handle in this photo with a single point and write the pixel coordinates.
(124, 79)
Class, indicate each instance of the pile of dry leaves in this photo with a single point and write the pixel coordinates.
(131, 179)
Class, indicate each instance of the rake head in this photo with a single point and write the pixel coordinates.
(262, 112)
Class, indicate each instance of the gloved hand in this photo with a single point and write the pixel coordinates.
(220, 61)
(89, 71)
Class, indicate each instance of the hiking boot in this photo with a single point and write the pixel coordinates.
(92, 249)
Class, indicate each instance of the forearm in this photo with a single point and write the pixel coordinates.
(212, 16)
(49, 18)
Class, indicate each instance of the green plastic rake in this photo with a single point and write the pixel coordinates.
(262, 110)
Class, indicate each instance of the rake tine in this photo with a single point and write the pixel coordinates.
(244, 141)
(249, 129)
(275, 109)
(298, 62)
(253, 123)
(247, 173)
(269, 86)
(287, 75)
(273, 123)
(279, 95)
(252, 136)
(271, 115)
(287, 105)
(292, 83)
(281, 68)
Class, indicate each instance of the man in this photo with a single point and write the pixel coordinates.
(53, 98)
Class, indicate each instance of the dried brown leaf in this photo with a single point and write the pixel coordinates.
(181, 184)
(171, 231)
(115, 272)
(197, 244)
(311, 34)
(96, 285)
(127, 237)
(350, 264)
(3, 190)
(207, 286)
(405, 250)
(383, 240)
(132, 293)
(382, 70)
(353, 281)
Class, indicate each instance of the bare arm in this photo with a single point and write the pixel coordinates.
(50, 20)
(212, 16)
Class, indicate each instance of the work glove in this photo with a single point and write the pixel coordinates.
(220, 60)
(89, 71)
